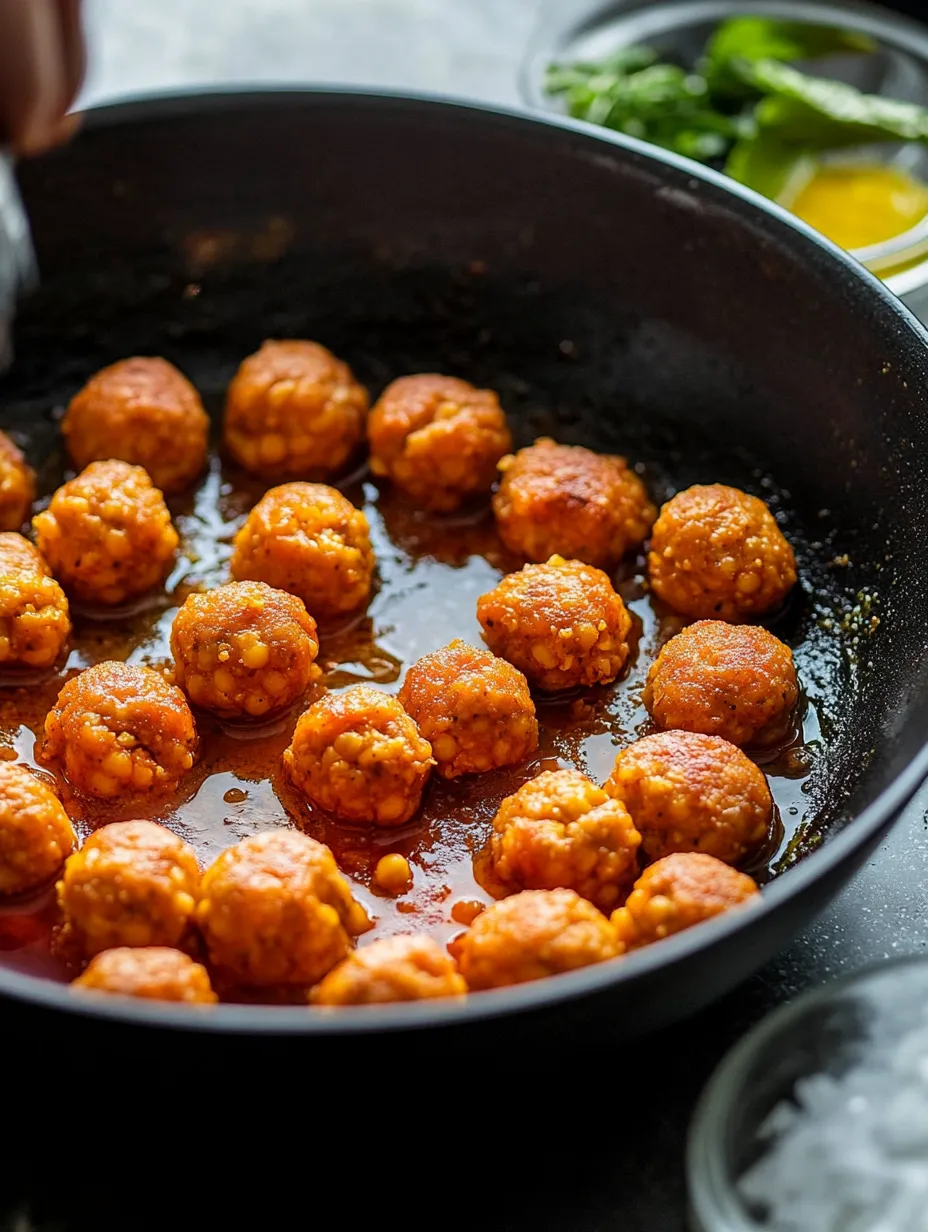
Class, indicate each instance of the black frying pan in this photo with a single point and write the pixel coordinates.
(707, 327)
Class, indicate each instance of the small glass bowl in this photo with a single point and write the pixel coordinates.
(823, 1031)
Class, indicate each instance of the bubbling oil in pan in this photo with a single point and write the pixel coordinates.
(430, 574)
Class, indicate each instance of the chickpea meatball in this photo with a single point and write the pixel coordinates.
(690, 792)
(243, 650)
(294, 410)
(133, 883)
(717, 552)
(569, 501)
(155, 973)
(561, 831)
(438, 438)
(359, 756)
(473, 708)
(395, 969)
(34, 616)
(733, 681)
(531, 935)
(275, 910)
(36, 835)
(142, 411)
(17, 485)
(560, 623)
(677, 892)
(107, 535)
(309, 540)
(119, 728)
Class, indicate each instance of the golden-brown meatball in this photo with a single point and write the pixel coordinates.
(143, 411)
(473, 708)
(107, 535)
(733, 681)
(677, 892)
(155, 973)
(717, 552)
(569, 501)
(293, 410)
(34, 618)
(243, 650)
(531, 935)
(689, 792)
(17, 485)
(394, 969)
(119, 728)
(132, 883)
(561, 831)
(310, 540)
(560, 623)
(438, 438)
(275, 910)
(36, 835)
(359, 756)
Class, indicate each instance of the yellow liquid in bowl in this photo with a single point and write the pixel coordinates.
(859, 204)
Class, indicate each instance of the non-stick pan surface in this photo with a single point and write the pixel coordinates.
(617, 297)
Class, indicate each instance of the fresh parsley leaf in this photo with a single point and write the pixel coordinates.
(768, 165)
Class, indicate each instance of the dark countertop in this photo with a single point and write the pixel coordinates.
(583, 1140)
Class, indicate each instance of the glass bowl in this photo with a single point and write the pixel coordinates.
(823, 1032)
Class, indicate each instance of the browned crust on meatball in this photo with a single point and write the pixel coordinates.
(244, 650)
(107, 535)
(438, 438)
(690, 792)
(718, 552)
(677, 892)
(562, 831)
(117, 728)
(394, 969)
(142, 411)
(474, 709)
(310, 540)
(275, 910)
(733, 681)
(569, 501)
(561, 623)
(36, 835)
(533, 935)
(294, 411)
(154, 973)
(359, 756)
(35, 621)
(17, 485)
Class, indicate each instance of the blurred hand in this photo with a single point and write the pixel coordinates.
(41, 69)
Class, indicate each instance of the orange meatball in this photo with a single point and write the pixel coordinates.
(359, 756)
(733, 681)
(119, 728)
(689, 792)
(394, 969)
(560, 623)
(107, 534)
(17, 485)
(36, 835)
(561, 831)
(677, 892)
(569, 501)
(438, 438)
(143, 411)
(34, 617)
(473, 708)
(309, 540)
(155, 973)
(243, 650)
(275, 910)
(531, 935)
(717, 552)
(294, 410)
(132, 883)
